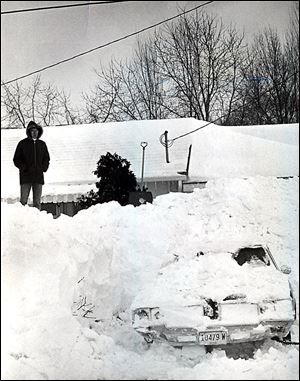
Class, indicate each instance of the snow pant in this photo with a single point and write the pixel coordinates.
(36, 194)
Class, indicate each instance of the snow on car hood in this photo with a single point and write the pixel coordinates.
(216, 276)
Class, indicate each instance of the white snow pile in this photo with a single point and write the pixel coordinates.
(68, 283)
(186, 281)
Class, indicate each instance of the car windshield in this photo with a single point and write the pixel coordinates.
(253, 255)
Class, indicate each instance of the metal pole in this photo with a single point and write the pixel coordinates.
(143, 145)
(166, 145)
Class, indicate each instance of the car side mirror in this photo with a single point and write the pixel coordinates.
(285, 269)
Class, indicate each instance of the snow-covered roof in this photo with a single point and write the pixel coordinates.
(217, 151)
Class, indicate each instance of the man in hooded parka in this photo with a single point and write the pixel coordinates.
(32, 158)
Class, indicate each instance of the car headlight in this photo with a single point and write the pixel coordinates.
(155, 313)
(146, 313)
(142, 313)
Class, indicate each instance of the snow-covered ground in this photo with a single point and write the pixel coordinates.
(55, 270)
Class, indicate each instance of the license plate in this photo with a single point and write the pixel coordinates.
(212, 337)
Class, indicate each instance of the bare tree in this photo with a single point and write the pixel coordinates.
(147, 82)
(100, 104)
(269, 92)
(131, 90)
(70, 114)
(200, 58)
(292, 54)
(43, 103)
(188, 69)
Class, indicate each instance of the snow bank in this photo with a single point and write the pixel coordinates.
(54, 269)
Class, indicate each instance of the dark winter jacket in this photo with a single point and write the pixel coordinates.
(32, 157)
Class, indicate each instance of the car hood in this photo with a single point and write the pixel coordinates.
(188, 282)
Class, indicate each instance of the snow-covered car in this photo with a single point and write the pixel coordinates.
(217, 298)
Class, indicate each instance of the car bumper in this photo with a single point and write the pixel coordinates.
(216, 335)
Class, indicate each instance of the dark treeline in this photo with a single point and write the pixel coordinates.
(194, 67)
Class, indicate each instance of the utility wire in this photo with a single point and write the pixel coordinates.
(170, 142)
(60, 6)
(107, 44)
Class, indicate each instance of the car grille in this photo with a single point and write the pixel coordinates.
(180, 331)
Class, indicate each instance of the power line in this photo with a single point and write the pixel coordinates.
(60, 6)
(170, 142)
(107, 44)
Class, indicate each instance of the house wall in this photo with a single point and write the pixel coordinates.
(188, 187)
(162, 187)
(68, 208)
(157, 188)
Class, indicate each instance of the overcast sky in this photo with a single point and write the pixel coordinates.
(33, 40)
